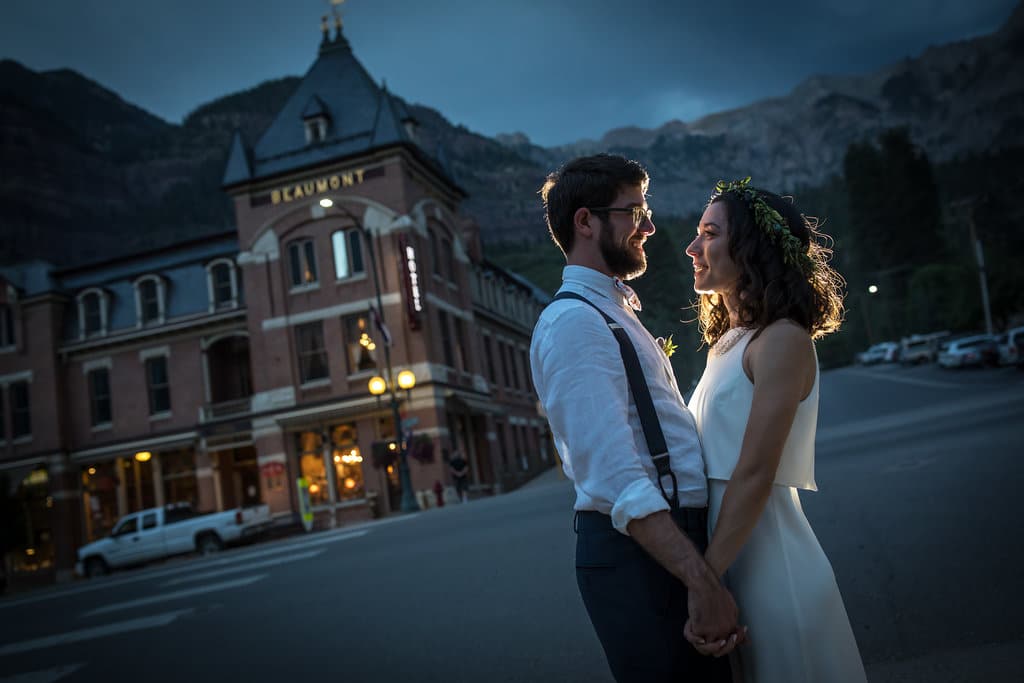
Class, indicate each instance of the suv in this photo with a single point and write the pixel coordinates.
(886, 352)
(1011, 347)
(921, 348)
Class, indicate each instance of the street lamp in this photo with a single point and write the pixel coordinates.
(377, 388)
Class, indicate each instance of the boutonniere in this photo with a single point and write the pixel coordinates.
(666, 345)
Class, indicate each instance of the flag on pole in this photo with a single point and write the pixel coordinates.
(378, 322)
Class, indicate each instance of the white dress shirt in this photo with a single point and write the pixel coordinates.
(581, 381)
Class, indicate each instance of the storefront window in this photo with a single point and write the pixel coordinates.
(34, 503)
(99, 499)
(311, 464)
(138, 483)
(348, 463)
(178, 470)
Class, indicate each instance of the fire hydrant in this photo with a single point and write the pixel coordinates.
(439, 494)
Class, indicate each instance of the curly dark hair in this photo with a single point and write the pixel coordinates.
(768, 288)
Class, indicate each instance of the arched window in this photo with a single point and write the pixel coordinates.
(149, 300)
(302, 263)
(222, 284)
(92, 313)
(348, 253)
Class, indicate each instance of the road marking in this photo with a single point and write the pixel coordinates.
(45, 676)
(873, 426)
(179, 567)
(93, 632)
(244, 568)
(905, 380)
(175, 595)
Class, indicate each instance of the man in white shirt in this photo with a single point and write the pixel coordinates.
(639, 560)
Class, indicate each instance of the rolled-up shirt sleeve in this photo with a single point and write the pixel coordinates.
(581, 382)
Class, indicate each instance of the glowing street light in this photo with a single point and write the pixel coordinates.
(377, 385)
(872, 289)
(406, 379)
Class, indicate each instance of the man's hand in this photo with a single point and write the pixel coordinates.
(713, 627)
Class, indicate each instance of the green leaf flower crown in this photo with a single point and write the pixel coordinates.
(771, 222)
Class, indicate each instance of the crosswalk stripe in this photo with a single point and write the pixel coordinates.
(243, 568)
(151, 574)
(93, 632)
(175, 595)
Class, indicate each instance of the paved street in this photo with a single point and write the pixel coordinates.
(919, 507)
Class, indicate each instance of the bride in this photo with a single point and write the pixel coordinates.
(767, 292)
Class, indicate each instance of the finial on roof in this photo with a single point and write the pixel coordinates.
(335, 4)
(324, 29)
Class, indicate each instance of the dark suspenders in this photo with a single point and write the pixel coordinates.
(642, 397)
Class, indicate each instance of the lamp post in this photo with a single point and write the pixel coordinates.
(378, 385)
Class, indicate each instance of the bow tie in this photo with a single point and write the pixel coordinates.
(631, 298)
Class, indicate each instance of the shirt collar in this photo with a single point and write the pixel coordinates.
(595, 281)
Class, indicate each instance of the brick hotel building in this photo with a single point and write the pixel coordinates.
(220, 370)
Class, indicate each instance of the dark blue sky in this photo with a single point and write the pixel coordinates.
(557, 71)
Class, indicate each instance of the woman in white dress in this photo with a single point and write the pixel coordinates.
(767, 292)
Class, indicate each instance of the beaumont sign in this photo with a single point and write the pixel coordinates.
(308, 188)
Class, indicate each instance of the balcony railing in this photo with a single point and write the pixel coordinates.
(217, 411)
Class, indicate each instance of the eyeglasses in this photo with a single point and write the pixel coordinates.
(640, 214)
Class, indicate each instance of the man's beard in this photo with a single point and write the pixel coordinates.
(622, 261)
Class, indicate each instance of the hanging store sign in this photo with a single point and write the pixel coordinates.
(411, 273)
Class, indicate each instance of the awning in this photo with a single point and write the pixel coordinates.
(473, 404)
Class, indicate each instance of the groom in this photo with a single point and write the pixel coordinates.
(639, 552)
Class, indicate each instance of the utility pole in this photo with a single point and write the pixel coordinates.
(982, 275)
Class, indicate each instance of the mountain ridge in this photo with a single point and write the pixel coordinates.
(88, 163)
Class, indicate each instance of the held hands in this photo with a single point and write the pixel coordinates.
(713, 627)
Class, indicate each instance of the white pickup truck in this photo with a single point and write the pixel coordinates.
(157, 533)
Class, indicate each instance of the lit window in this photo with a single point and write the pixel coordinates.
(360, 343)
(348, 463)
(348, 253)
(302, 260)
(311, 463)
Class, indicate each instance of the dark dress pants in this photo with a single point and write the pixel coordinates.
(637, 607)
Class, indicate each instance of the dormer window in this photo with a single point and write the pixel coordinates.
(149, 300)
(93, 313)
(316, 119)
(316, 130)
(222, 280)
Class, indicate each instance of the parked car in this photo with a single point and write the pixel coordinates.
(972, 351)
(1011, 347)
(921, 348)
(885, 352)
(157, 533)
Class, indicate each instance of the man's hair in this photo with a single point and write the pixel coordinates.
(769, 288)
(593, 181)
